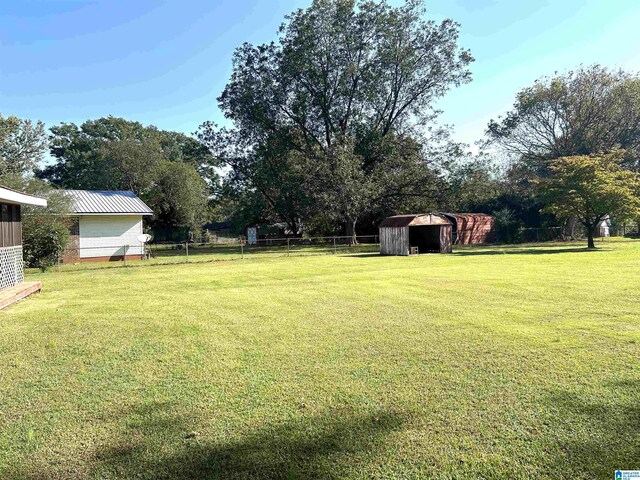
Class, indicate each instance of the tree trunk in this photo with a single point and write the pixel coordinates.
(351, 231)
(569, 230)
(590, 242)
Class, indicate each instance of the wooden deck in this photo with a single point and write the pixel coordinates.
(16, 293)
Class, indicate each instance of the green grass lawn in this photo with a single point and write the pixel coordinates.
(505, 362)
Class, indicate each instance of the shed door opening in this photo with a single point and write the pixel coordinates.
(425, 237)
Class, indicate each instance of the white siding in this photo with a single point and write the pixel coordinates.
(107, 235)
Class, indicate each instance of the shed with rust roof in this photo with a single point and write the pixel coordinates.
(415, 234)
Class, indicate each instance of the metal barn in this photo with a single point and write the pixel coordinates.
(471, 228)
(415, 234)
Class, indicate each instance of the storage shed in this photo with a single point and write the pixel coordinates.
(471, 228)
(105, 226)
(12, 284)
(417, 233)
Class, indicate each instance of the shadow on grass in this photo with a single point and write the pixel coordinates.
(597, 436)
(362, 255)
(526, 251)
(310, 447)
(512, 250)
(158, 444)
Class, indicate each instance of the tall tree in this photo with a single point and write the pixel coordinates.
(22, 145)
(344, 76)
(84, 155)
(178, 147)
(582, 112)
(471, 182)
(179, 197)
(270, 169)
(592, 188)
(130, 164)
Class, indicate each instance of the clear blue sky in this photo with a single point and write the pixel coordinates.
(165, 62)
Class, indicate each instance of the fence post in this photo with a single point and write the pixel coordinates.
(288, 254)
(124, 257)
(334, 246)
(186, 248)
(242, 248)
(58, 263)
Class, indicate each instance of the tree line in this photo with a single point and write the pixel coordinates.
(334, 126)
(175, 174)
(172, 172)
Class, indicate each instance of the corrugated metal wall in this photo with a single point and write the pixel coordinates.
(472, 228)
(394, 240)
(475, 230)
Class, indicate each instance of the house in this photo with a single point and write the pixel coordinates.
(471, 228)
(105, 226)
(603, 229)
(414, 234)
(12, 284)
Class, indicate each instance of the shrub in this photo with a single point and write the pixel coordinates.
(507, 226)
(44, 240)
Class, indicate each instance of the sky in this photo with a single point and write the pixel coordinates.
(165, 62)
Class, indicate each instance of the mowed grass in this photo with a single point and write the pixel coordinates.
(505, 362)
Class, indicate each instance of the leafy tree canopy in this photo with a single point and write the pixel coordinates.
(333, 112)
(22, 145)
(116, 154)
(592, 188)
(179, 196)
(582, 112)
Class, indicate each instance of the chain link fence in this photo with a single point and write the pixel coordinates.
(546, 234)
(578, 232)
(626, 230)
(105, 256)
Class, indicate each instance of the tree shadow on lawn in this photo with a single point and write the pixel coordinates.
(527, 251)
(596, 436)
(310, 447)
(159, 444)
(496, 251)
(363, 255)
